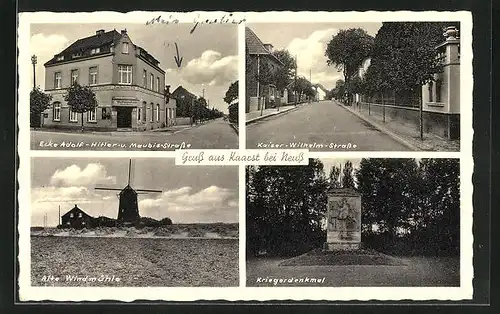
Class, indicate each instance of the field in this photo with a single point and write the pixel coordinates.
(98, 261)
(413, 272)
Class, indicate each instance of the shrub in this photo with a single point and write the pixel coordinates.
(196, 233)
(166, 221)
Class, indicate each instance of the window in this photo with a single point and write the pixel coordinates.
(60, 58)
(93, 76)
(144, 110)
(430, 91)
(105, 113)
(71, 215)
(57, 80)
(56, 114)
(151, 79)
(152, 116)
(438, 90)
(144, 78)
(139, 113)
(91, 115)
(76, 55)
(157, 84)
(125, 47)
(73, 115)
(74, 76)
(80, 215)
(157, 112)
(95, 51)
(125, 74)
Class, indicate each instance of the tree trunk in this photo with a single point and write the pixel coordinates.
(82, 122)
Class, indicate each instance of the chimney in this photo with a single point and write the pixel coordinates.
(269, 47)
(99, 32)
(124, 31)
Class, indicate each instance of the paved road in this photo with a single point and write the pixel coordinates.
(213, 135)
(324, 125)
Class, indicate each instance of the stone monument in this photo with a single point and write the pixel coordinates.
(344, 220)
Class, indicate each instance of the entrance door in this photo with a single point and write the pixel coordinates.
(124, 117)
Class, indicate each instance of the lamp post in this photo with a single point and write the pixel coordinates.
(33, 61)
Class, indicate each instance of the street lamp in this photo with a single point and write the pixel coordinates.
(33, 61)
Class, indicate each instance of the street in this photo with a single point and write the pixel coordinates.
(320, 126)
(217, 134)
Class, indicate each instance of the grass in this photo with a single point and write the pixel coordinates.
(136, 261)
(416, 272)
(335, 258)
(191, 230)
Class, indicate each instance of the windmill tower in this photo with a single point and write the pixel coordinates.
(128, 208)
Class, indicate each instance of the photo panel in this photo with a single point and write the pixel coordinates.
(353, 86)
(140, 222)
(131, 85)
(355, 222)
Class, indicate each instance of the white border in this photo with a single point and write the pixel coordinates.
(28, 293)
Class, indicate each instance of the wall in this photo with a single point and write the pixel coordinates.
(441, 124)
(182, 121)
(142, 65)
(104, 76)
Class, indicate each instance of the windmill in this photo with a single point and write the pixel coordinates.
(128, 209)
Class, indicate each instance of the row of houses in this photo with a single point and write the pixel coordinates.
(262, 96)
(128, 82)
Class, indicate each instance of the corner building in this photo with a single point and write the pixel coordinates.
(128, 83)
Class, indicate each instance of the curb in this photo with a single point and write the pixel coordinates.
(384, 130)
(272, 115)
(234, 128)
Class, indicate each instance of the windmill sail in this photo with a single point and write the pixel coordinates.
(128, 208)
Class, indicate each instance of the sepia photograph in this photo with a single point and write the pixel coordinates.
(117, 222)
(154, 86)
(389, 86)
(367, 222)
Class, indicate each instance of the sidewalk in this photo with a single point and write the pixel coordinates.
(256, 115)
(406, 134)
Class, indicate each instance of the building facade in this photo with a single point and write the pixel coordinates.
(128, 83)
(76, 218)
(258, 53)
(441, 98)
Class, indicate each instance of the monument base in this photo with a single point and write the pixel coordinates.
(341, 246)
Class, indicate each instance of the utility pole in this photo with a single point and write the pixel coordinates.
(192, 110)
(59, 217)
(295, 81)
(33, 61)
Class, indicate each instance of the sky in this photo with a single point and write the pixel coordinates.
(210, 53)
(189, 194)
(308, 42)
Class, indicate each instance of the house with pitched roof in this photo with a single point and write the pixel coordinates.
(259, 56)
(128, 82)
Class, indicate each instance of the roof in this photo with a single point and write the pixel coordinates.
(255, 46)
(182, 91)
(75, 209)
(89, 43)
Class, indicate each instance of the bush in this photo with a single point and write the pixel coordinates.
(166, 221)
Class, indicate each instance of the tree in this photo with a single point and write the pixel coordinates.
(387, 187)
(333, 178)
(284, 74)
(39, 102)
(404, 57)
(440, 199)
(231, 93)
(347, 50)
(303, 86)
(347, 176)
(285, 208)
(80, 99)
